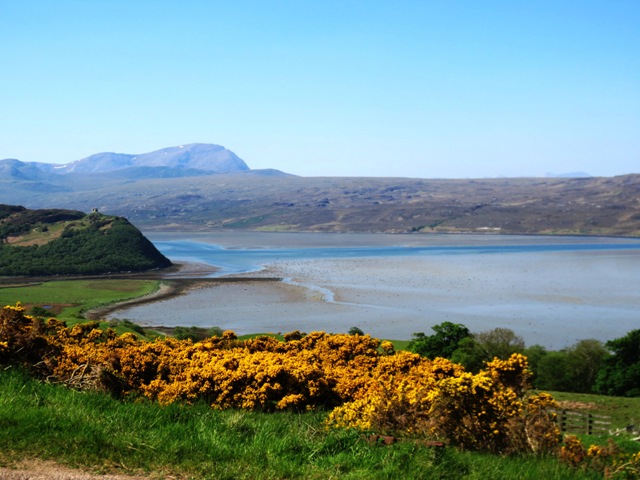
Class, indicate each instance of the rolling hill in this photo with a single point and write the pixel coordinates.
(62, 242)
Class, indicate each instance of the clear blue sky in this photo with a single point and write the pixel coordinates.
(382, 88)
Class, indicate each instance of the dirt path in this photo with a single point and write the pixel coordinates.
(35, 469)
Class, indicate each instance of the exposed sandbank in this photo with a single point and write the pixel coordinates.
(553, 299)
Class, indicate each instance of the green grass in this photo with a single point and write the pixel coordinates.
(73, 297)
(97, 432)
(249, 336)
(399, 345)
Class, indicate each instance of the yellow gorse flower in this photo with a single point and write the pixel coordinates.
(365, 383)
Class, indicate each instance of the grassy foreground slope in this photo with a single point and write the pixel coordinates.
(272, 403)
(47, 421)
(62, 242)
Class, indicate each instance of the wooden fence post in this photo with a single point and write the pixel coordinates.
(571, 421)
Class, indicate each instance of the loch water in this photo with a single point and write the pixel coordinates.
(249, 259)
(550, 290)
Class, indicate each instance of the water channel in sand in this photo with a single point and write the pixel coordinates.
(550, 290)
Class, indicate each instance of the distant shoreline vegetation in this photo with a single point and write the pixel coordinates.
(68, 242)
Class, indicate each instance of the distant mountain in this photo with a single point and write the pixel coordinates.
(63, 242)
(24, 182)
(85, 183)
(17, 170)
(174, 162)
(205, 158)
(202, 187)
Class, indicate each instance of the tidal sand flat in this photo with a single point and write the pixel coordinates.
(551, 297)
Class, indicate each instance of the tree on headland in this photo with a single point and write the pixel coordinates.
(551, 373)
(188, 333)
(499, 342)
(573, 369)
(85, 244)
(535, 354)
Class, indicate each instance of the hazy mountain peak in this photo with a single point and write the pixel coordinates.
(100, 162)
(196, 156)
(12, 168)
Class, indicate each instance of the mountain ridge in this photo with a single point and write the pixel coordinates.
(179, 195)
(197, 156)
(201, 157)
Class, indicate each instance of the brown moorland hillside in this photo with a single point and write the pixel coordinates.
(589, 206)
(259, 200)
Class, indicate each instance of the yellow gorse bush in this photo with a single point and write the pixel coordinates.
(365, 384)
(438, 399)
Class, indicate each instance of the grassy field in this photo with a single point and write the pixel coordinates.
(68, 299)
(96, 432)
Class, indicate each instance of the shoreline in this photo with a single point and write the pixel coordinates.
(164, 291)
(170, 289)
(186, 277)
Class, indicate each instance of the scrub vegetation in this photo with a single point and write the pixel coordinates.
(299, 408)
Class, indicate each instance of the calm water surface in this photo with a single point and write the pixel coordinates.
(551, 290)
(251, 259)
